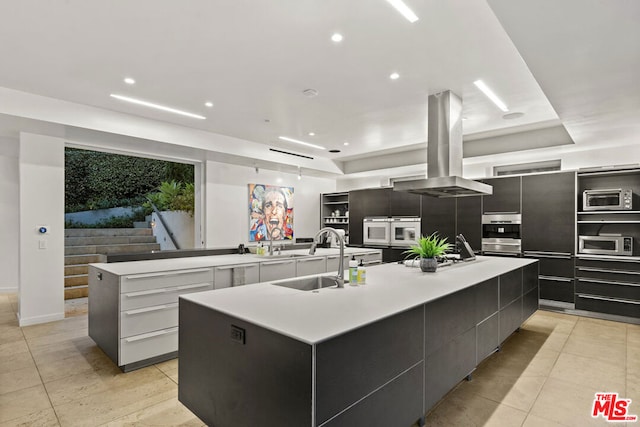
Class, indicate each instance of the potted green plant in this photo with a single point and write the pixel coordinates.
(427, 248)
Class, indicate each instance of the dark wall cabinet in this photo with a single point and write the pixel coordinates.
(403, 204)
(505, 197)
(548, 212)
(469, 220)
(369, 202)
(438, 215)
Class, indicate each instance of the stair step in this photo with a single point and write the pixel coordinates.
(76, 292)
(74, 269)
(111, 249)
(97, 232)
(107, 240)
(84, 259)
(76, 280)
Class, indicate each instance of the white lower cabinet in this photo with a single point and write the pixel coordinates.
(236, 275)
(276, 270)
(134, 318)
(311, 265)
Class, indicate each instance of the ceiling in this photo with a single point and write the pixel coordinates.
(570, 63)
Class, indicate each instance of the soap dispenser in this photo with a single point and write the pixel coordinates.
(353, 271)
(362, 274)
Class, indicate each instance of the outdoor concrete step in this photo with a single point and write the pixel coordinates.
(111, 249)
(93, 232)
(107, 240)
(76, 292)
(72, 269)
(84, 259)
(76, 280)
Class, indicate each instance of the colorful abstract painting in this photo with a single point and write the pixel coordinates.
(270, 212)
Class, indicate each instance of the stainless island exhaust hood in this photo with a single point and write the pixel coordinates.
(444, 153)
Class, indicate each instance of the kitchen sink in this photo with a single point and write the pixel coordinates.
(307, 283)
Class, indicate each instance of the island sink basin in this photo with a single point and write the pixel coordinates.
(307, 283)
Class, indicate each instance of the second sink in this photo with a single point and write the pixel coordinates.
(307, 283)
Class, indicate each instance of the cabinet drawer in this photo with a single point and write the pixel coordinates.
(609, 305)
(510, 319)
(150, 297)
(145, 346)
(334, 260)
(141, 282)
(556, 264)
(510, 287)
(609, 263)
(276, 270)
(608, 274)
(369, 257)
(556, 288)
(308, 266)
(608, 289)
(148, 319)
(236, 275)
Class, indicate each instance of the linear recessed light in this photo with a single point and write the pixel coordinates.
(404, 10)
(157, 106)
(284, 138)
(492, 96)
(208, 104)
(129, 81)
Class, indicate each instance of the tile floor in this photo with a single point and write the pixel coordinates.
(546, 375)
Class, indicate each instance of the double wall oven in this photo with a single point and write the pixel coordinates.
(392, 232)
(501, 234)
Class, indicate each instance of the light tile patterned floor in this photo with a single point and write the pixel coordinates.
(546, 375)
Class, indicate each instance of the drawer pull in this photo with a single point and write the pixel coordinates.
(278, 262)
(151, 335)
(196, 286)
(624, 301)
(333, 256)
(149, 309)
(168, 274)
(559, 255)
(634, 260)
(310, 259)
(604, 282)
(149, 292)
(555, 278)
(229, 267)
(600, 270)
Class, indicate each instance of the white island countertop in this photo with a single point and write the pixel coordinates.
(315, 316)
(171, 264)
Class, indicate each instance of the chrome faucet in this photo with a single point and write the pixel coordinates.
(340, 276)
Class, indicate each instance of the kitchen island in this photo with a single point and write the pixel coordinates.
(380, 354)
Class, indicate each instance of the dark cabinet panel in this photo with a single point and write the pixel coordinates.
(403, 204)
(510, 287)
(486, 298)
(448, 317)
(599, 304)
(393, 254)
(505, 197)
(530, 304)
(439, 215)
(469, 220)
(396, 404)
(510, 319)
(548, 212)
(362, 203)
(488, 337)
(357, 363)
(556, 289)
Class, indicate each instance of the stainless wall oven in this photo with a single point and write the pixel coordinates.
(404, 231)
(501, 234)
(376, 231)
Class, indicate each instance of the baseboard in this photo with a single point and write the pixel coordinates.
(26, 321)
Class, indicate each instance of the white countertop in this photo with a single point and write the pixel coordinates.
(315, 316)
(171, 264)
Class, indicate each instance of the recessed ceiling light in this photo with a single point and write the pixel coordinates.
(310, 93)
(208, 104)
(394, 76)
(346, 143)
(404, 10)
(312, 134)
(337, 37)
(157, 106)
(129, 81)
(492, 96)
(284, 138)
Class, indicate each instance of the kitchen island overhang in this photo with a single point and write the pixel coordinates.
(384, 351)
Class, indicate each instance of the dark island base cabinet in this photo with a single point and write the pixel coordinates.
(388, 373)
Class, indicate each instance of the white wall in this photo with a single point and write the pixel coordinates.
(9, 214)
(41, 169)
(227, 201)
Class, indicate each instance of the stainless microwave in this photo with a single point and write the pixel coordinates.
(606, 245)
(614, 199)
